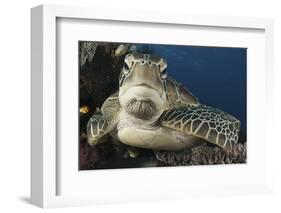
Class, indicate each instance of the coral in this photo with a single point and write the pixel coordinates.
(203, 154)
(87, 51)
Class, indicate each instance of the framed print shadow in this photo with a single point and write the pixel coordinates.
(149, 105)
(157, 107)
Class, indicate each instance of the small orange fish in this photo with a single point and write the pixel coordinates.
(84, 109)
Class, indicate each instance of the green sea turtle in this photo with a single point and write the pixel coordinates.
(152, 111)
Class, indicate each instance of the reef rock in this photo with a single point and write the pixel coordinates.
(203, 155)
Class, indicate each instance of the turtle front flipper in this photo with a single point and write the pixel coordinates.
(97, 127)
(205, 122)
(104, 121)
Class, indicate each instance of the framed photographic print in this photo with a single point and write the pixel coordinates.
(149, 106)
(134, 113)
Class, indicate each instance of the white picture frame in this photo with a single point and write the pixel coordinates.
(44, 150)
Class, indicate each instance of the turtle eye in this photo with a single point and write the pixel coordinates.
(126, 69)
(163, 74)
(126, 66)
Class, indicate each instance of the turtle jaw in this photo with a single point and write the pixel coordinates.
(141, 108)
(142, 102)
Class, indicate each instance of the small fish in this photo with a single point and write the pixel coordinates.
(84, 109)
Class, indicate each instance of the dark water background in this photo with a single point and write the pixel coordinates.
(215, 75)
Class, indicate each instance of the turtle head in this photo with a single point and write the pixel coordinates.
(142, 86)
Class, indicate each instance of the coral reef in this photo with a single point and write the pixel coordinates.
(204, 154)
(97, 81)
(87, 51)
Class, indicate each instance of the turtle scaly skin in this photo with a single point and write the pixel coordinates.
(104, 121)
(204, 122)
